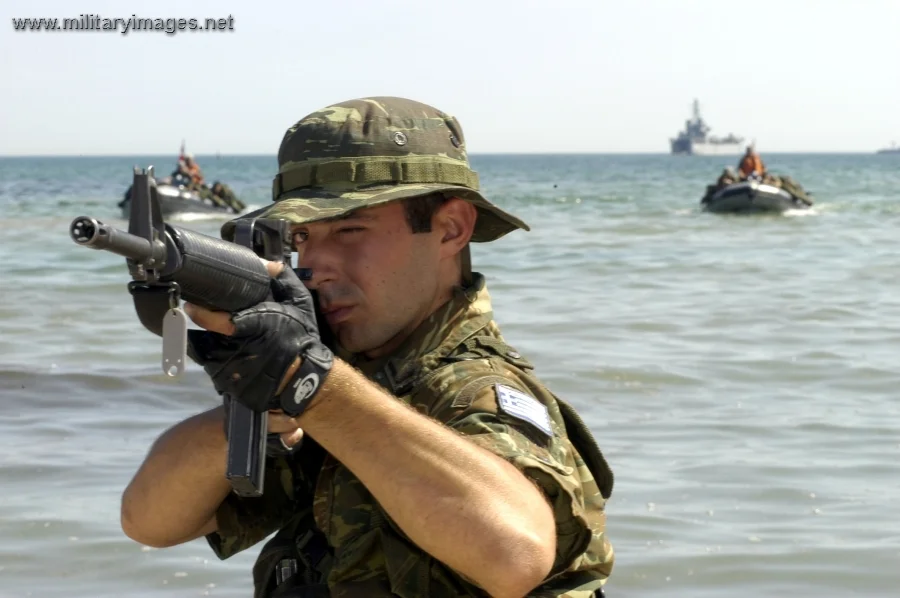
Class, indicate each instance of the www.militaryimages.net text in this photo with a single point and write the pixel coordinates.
(92, 22)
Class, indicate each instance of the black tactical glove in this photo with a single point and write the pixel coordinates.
(250, 364)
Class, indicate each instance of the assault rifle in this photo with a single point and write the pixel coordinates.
(169, 263)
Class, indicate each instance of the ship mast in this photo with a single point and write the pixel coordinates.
(696, 128)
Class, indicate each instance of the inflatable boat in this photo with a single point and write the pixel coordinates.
(752, 197)
(175, 198)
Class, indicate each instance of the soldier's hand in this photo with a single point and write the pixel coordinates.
(250, 354)
(220, 321)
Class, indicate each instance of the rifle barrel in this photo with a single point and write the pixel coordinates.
(92, 233)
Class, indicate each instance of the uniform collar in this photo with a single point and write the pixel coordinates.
(468, 311)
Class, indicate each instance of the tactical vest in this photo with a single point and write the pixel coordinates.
(296, 561)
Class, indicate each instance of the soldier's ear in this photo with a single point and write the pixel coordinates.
(455, 220)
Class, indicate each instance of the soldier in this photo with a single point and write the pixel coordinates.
(751, 164)
(190, 170)
(796, 190)
(424, 457)
(225, 197)
(728, 177)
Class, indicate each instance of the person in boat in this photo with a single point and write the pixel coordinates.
(751, 165)
(223, 196)
(181, 169)
(728, 177)
(420, 454)
(794, 188)
(219, 194)
(190, 170)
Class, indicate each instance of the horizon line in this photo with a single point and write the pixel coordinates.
(562, 153)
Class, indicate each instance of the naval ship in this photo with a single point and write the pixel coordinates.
(694, 139)
(894, 149)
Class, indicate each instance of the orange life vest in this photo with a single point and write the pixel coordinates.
(751, 165)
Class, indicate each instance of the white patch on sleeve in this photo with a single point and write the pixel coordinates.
(521, 406)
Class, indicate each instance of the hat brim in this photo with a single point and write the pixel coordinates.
(306, 205)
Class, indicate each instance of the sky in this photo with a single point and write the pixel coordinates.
(585, 76)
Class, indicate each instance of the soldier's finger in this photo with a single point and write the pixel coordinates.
(291, 438)
(214, 321)
(273, 268)
(281, 422)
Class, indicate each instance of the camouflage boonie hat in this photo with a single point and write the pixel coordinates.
(371, 151)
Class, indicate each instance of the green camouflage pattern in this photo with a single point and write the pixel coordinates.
(370, 151)
(288, 487)
(448, 369)
(224, 196)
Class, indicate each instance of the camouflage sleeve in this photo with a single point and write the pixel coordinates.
(498, 415)
(244, 521)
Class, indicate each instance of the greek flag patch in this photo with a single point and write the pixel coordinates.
(521, 406)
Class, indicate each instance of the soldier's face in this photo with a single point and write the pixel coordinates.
(376, 280)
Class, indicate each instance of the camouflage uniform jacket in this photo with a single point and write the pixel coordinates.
(457, 369)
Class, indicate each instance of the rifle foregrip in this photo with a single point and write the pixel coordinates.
(218, 274)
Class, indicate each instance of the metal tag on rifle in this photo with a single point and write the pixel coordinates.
(175, 326)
